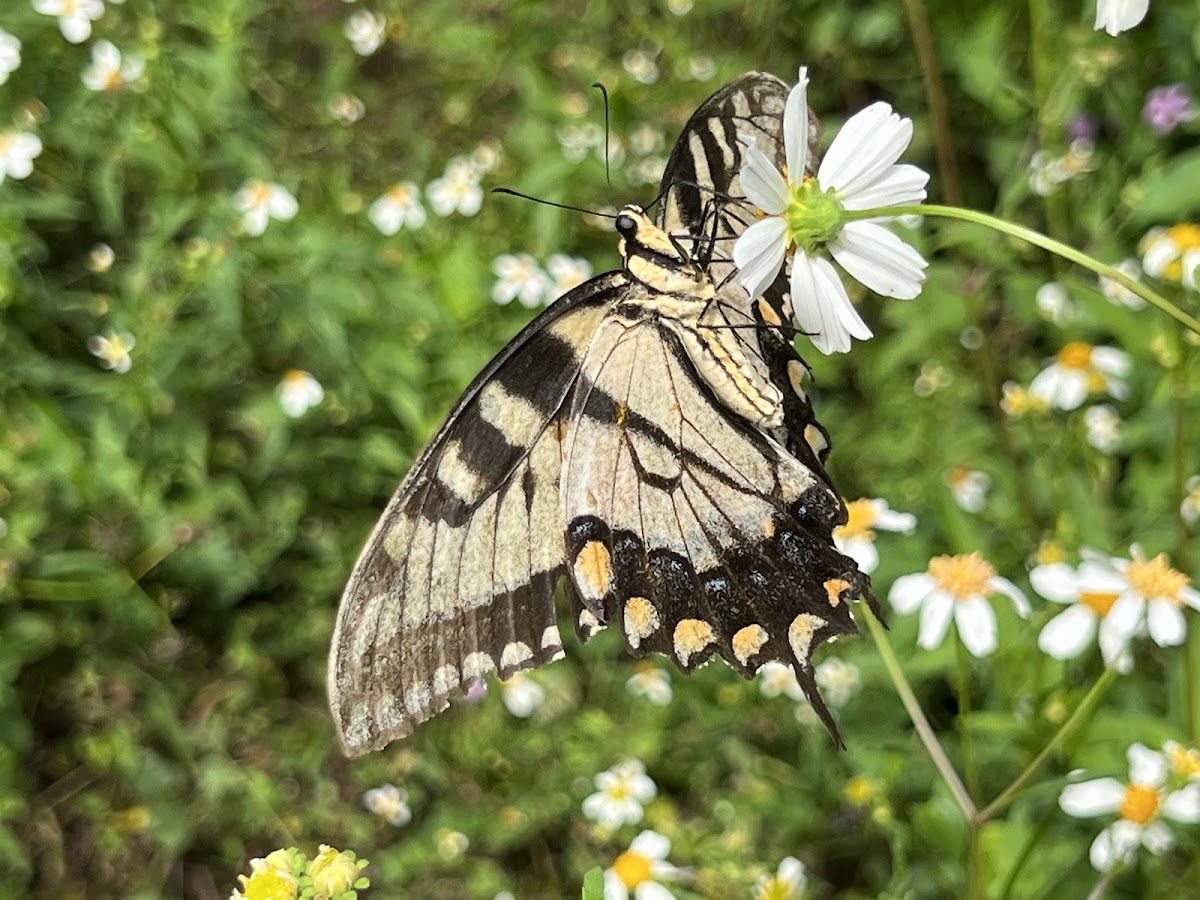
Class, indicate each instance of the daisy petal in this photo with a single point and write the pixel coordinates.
(651, 845)
(1019, 601)
(908, 592)
(1146, 767)
(795, 129)
(1115, 844)
(1126, 613)
(1183, 805)
(1097, 797)
(897, 186)
(652, 890)
(1055, 581)
(1067, 634)
(879, 259)
(759, 253)
(761, 181)
(822, 308)
(976, 626)
(935, 619)
(869, 142)
(1166, 623)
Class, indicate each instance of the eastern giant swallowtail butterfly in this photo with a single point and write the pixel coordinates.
(646, 442)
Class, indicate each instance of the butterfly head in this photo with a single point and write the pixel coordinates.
(654, 258)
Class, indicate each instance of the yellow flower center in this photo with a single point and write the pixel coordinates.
(1185, 236)
(6, 141)
(1184, 761)
(1140, 804)
(861, 516)
(401, 195)
(258, 193)
(1049, 551)
(268, 884)
(861, 790)
(1075, 355)
(961, 576)
(775, 888)
(1154, 579)
(1098, 602)
(632, 868)
(620, 790)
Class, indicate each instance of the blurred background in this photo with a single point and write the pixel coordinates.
(247, 262)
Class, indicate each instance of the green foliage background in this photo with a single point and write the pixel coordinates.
(175, 544)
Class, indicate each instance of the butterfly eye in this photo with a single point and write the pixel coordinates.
(626, 226)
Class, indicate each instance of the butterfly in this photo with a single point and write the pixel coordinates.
(646, 443)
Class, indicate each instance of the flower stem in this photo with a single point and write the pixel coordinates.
(1082, 712)
(924, 730)
(1038, 240)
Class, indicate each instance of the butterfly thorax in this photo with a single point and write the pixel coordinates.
(655, 261)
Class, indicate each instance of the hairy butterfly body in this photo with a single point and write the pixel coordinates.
(646, 443)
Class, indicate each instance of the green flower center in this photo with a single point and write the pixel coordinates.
(814, 216)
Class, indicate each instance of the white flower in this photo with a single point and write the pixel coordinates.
(956, 587)
(639, 869)
(775, 678)
(969, 487)
(399, 206)
(101, 258)
(1154, 594)
(567, 272)
(347, 108)
(521, 694)
(1117, 293)
(1089, 592)
(113, 350)
(457, 190)
(807, 214)
(365, 31)
(1142, 804)
(932, 379)
(486, 156)
(17, 152)
(652, 683)
(1078, 370)
(701, 67)
(75, 17)
(1185, 761)
(1172, 253)
(788, 882)
(1103, 427)
(10, 55)
(390, 803)
(1115, 16)
(108, 71)
(839, 681)
(1053, 302)
(298, 392)
(857, 537)
(260, 201)
(519, 277)
(621, 792)
(641, 65)
(1189, 508)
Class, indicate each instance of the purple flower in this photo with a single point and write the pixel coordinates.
(1167, 106)
(475, 691)
(1083, 127)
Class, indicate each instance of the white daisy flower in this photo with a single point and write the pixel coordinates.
(18, 149)
(956, 587)
(389, 803)
(260, 201)
(521, 694)
(620, 794)
(1172, 253)
(113, 350)
(109, 70)
(519, 277)
(400, 206)
(1089, 593)
(970, 488)
(1184, 761)
(1119, 294)
(1104, 427)
(651, 682)
(457, 190)
(486, 156)
(1142, 804)
(567, 272)
(638, 871)
(298, 392)
(365, 31)
(75, 17)
(347, 108)
(805, 215)
(10, 55)
(1053, 302)
(838, 680)
(857, 537)
(1078, 370)
(1115, 16)
(788, 882)
(1189, 508)
(774, 678)
(1154, 594)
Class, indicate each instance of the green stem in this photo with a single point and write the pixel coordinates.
(1082, 712)
(963, 687)
(935, 94)
(924, 730)
(1038, 240)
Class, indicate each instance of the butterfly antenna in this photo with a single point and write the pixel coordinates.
(579, 209)
(604, 92)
